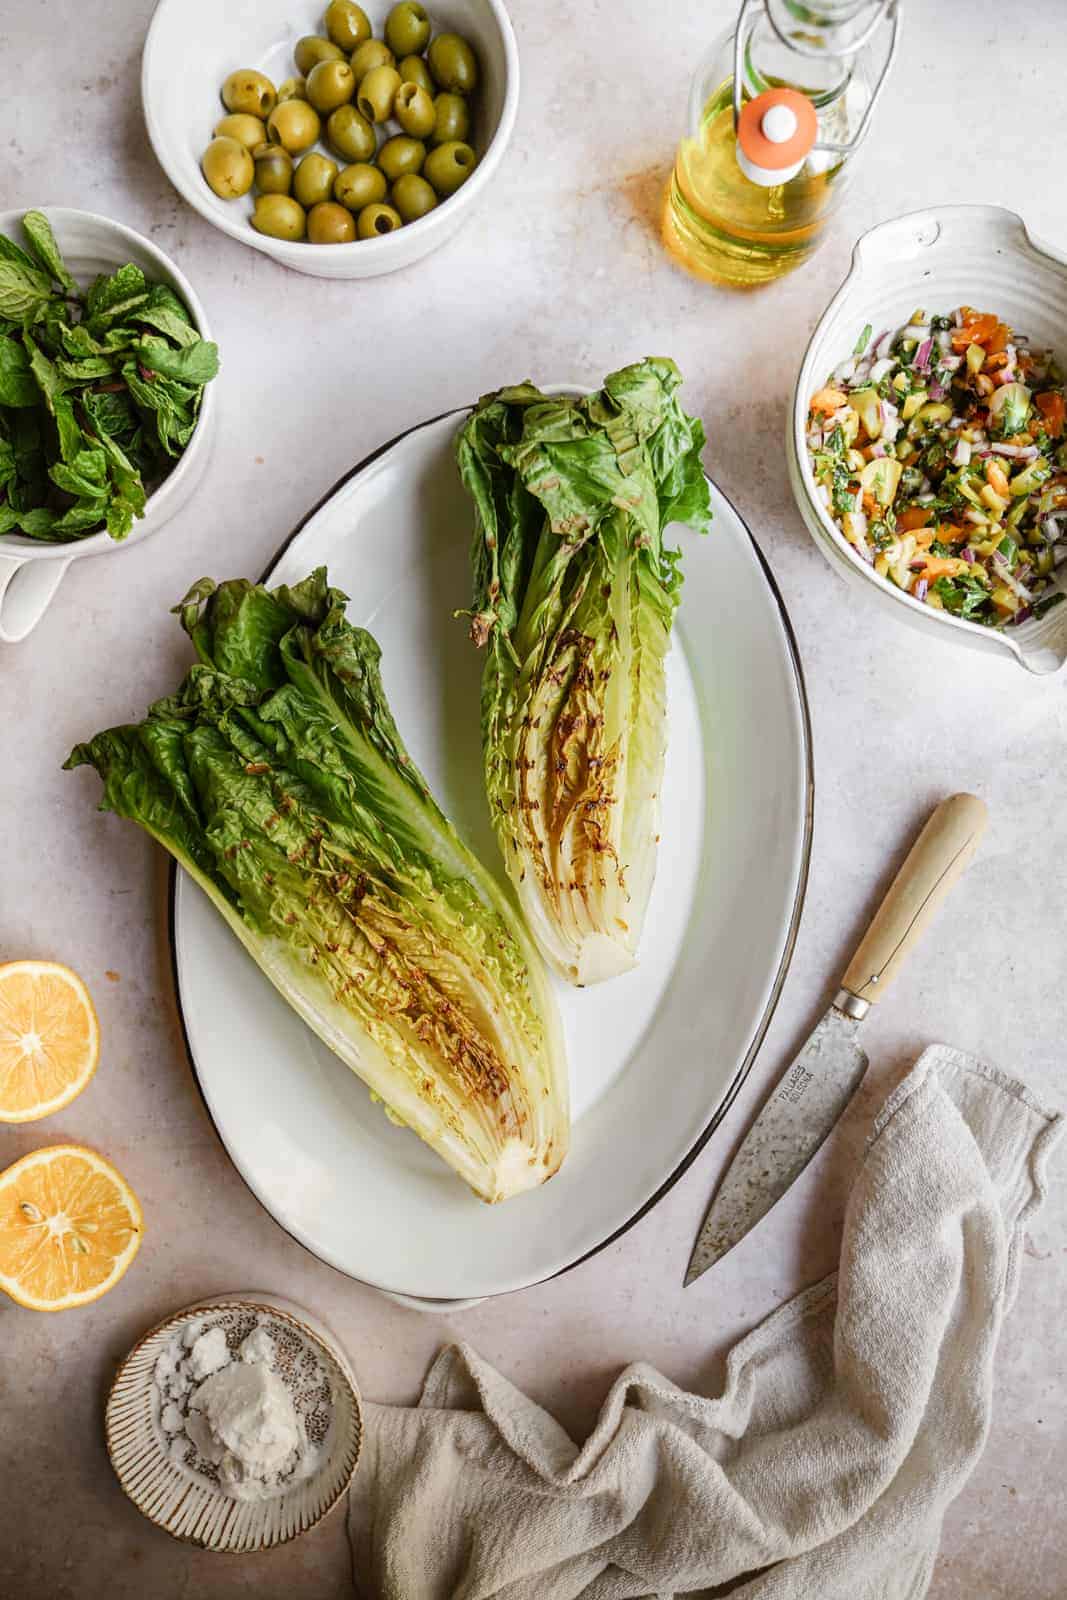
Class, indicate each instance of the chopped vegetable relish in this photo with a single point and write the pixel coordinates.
(939, 450)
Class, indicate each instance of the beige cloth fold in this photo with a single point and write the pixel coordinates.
(848, 1423)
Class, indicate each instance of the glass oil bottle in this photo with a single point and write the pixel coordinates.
(777, 113)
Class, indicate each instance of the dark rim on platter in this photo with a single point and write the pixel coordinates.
(747, 1061)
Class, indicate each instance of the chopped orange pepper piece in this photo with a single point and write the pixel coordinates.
(1053, 412)
(915, 517)
(828, 400)
(978, 330)
(999, 339)
(994, 476)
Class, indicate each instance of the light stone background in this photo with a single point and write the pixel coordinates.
(561, 274)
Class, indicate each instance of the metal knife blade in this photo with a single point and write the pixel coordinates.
(788, 1131)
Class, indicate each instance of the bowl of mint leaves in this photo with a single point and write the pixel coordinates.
(106, 398)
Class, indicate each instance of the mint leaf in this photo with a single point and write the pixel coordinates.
(195, 364)
(24, 288)
(18, 387)
(86, 477)
(36, 227)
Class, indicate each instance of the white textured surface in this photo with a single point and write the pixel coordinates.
(561, 273)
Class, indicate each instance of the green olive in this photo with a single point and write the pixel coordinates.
(377, 219)
(377, 93)
(292, 89)
(249, 131)
(413, 197)
(448, 166)
(331, 84)
(313, 179)
(312, 49)
(413, 109)
(274, 169)
(451, 118)
(294, 125)
(249, 91)
(359, 185)
(400, 155)
(351, 135)
(413, 69)
(227, 166)
(279, 216)
(330, 224)
(373, 53)
(453, 63)
(407, 28)
(347, 24)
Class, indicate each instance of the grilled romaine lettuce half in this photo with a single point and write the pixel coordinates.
(574, 597)
(278, 779)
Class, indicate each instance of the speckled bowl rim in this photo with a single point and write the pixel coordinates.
(336, 1358)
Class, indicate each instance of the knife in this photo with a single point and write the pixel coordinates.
(820, 1083)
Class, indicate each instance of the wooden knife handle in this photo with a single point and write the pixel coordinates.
(941, 853)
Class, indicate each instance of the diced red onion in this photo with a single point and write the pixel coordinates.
(1007, 577)
(1022, 615)
(967, 554)
(1050, 527)
(815, 439)
(845, 370)
(921, 588)
(1024, 573)
(957, 422)
(1021, 452)
(916, 566)
(922, 355)
(962, 453)
(1004, 376)
(915, 330)
(937, 391)
(951, 363)
(957, 317)
(862, 373)
(877, 449)
(882, 348)
(880, 368)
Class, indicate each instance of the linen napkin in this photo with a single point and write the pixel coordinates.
(849, 1420)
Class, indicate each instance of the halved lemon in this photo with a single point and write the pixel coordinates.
(49, 1039)
(69, 1227)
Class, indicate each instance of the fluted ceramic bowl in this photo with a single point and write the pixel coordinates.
(171, 1486)
(193, 46)
(31, 570)
(947, 256)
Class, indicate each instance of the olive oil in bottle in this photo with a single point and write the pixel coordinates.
(776, 113)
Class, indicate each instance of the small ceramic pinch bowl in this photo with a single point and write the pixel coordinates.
(31, 570)
(182, 106)
(164, 1476)
(982, 256)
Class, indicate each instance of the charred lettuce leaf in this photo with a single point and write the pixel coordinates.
(575, 592)
(278, 778)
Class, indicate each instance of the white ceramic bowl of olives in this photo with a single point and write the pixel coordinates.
(308, 194)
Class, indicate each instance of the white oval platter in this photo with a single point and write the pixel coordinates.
(656, 1055)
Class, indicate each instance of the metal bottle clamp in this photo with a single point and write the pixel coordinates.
(884, 11)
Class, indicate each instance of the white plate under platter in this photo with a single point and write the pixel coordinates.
(655, 1056)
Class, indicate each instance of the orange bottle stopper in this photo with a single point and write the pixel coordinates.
(775, 132)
